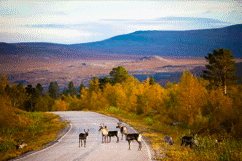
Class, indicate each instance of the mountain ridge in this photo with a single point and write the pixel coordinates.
(196, 43)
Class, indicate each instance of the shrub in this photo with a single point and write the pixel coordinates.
(132, 116)
(148, 120)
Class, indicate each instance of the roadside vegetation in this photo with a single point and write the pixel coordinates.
(210, 106)
(36, 129)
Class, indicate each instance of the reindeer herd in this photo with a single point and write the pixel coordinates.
(107, 135)
(189, 140)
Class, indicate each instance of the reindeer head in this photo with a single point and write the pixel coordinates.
(86, 132)
(102, 126)
(119, 124)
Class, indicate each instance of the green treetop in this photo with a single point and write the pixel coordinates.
(119, 74)
(221, 68)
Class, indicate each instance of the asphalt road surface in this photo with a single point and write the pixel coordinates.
(67, 148)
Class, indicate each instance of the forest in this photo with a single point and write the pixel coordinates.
(210, 104)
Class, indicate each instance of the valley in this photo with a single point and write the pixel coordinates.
(45, 69)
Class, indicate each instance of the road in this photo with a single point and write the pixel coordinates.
(67, 148)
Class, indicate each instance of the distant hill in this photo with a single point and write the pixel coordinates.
(171, 43)
(196, 43)
(7, 48)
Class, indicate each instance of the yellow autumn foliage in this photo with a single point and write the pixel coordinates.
(60, 105)
(191, 98)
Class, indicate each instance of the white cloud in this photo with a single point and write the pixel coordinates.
(84, 21)
(23, 34)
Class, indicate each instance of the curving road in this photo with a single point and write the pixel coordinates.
(67, 148)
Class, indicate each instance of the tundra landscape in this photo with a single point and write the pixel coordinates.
(33, 63)
(33, 70)
(121, 80)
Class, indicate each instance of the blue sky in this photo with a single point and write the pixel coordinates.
(72, 22)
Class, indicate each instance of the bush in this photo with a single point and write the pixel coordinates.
(113, 109)
(132, 116)
(148, 120)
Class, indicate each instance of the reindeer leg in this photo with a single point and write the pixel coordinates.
(81, 143)
(102, 138)
(85, 143)
(117, 139)
(139, 142)
(140, 146)
(129, 145)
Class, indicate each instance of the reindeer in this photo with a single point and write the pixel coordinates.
(217, 142)
(83, 136)
(104, 131)
(21, 145)
(134, 136)
(113, 133)
(123, 129)
(168, 140)
(189, 140)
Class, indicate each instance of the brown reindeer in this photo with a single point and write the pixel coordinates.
(113, 133)
(123, 129)
(189, 140)
(168, 140)
(83, 136)
(104, 131)
(134, 136)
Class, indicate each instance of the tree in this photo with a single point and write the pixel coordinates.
(21, 96)
(3, 83)
(119, 74)
(82, 87)
(52, 90)
(31, 92)
(191, 98)
(57, 89)
(65, 92)
(152, 81)
(94, 85)
(221, 68)
(39, 89)
(71, 89)
(104, 81)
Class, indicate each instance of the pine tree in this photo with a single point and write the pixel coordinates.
(104, 81)
(39, 89)
(52, 90)
(57, 89)
(119, 74)
(221, 68)
(65, 92)
(152, 81)
(71, 89)
(31, 92)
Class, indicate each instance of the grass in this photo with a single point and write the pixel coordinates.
(153, 132)
(35, 128)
